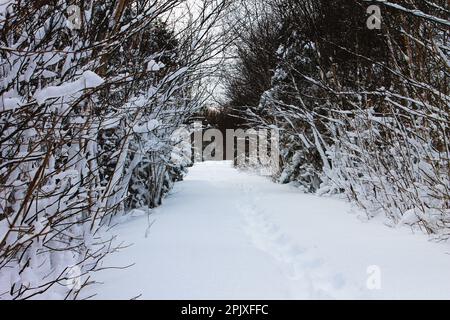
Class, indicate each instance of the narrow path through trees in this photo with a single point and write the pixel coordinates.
(225, 234)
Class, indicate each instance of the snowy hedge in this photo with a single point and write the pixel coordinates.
(88, 111)
(361, 111)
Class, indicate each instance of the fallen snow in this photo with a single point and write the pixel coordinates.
(4, 5)
(87, 81)
(10, 103)
(224, 234)
(155, 66)
(147, 127)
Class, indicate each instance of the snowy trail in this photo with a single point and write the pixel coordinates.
(224, 234)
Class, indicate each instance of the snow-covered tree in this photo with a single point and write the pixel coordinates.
(92, 94)
(360, 110)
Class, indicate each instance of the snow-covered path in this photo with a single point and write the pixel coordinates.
(224, 234)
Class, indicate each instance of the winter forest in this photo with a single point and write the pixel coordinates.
(103, 193)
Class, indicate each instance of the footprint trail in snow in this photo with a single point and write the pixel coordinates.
(226, 234)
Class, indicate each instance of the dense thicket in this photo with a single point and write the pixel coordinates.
(90, 108)
(361, 112)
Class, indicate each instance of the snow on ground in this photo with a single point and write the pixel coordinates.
(225, 234)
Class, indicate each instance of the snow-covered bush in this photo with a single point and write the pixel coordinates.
(364, 112)
(87, 105)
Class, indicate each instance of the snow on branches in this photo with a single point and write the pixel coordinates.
(361, 111)
(87, 117)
